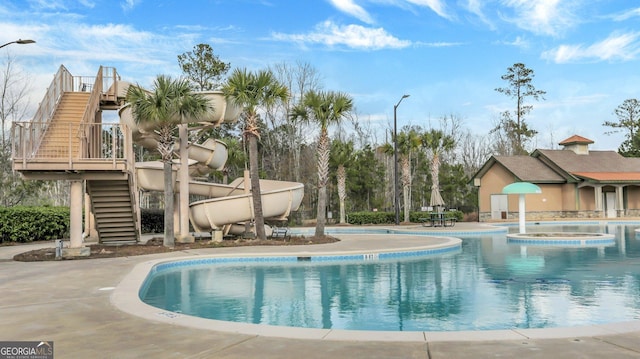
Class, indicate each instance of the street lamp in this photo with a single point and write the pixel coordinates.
(395, 160)
(19, 41)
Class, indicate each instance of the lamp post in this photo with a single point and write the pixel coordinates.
(19, 41)
(395, 160)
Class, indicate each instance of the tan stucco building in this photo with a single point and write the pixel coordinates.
(576, 183)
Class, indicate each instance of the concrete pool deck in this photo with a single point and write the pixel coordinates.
(75, 304)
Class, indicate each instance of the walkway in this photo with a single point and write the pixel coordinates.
(70, 303)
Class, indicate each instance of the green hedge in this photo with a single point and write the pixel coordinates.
(390, 217)
(27, 224)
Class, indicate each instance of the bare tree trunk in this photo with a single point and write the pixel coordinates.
(323, 175)
(255, 187)
(322, 217)
(342, 190)
(169, 236)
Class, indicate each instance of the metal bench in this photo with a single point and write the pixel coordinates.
(280, 232)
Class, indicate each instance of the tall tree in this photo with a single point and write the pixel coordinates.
(14, 88)
(164, 107)
(251, 91)
(324, 108)
(341, 157)
(203, 68)
(519, 87)
(299, 78)
(408, 142)
(367, 186)
(628, 114)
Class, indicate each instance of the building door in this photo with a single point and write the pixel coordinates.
(610, 204)
(499, 206)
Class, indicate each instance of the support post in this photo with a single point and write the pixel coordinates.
(183, 179)
(76, 247)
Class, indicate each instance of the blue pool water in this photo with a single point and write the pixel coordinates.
(488, 284)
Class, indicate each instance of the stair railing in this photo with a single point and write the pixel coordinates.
(62, 81)
(89, 116)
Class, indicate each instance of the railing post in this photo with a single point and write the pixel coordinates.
(114, 146)
(24, 149)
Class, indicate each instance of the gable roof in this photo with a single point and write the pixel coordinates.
(561, 166)
(524, 168)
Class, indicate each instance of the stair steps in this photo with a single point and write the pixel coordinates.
(61, 139)
(111, 202)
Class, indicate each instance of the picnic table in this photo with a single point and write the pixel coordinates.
(439, 219)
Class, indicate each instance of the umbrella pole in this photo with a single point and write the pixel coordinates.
(521, 213)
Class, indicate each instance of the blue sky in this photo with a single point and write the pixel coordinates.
(448, 55)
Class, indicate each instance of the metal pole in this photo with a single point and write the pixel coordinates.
(395, 164)
(396, 201)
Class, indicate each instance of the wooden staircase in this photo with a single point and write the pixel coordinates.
(112, 203)
(61, 139)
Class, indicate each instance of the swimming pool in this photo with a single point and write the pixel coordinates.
(488, 284)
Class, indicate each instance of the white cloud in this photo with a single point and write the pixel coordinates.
(438, 6)
(475, 7)
(517, 42)
(47, 4)
(353, 9)
(627, 15)
(545, 17)
(127, 5)
(615, 47)
(438, 44)
(353, 36)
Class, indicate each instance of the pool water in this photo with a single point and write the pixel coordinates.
(489, 284)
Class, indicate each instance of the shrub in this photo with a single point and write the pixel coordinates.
(370, 217)
(27, 224)
(390, 217)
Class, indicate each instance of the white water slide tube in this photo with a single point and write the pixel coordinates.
(226, 205)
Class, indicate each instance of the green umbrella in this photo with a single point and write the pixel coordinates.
(521, 188)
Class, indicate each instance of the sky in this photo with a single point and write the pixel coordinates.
(448, 55)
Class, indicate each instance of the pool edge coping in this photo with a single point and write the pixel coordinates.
(125, 297)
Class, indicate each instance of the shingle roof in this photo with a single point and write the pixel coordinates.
(594, 162)
(610, 176)
(529, 169)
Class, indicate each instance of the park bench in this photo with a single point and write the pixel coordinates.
(280, 232)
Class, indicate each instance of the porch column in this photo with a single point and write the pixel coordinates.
(619, 201)
(598, 198)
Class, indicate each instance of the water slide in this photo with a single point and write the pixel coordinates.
(227, 206)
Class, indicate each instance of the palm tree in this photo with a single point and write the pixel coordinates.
(325, 108)
(342, 155)
(436, 142)
(408, 143)
(249, 91)
(163, 108)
